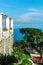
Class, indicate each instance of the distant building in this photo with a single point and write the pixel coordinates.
(6, 35)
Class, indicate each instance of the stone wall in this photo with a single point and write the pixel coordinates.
(6, 46)
(6, 34)
(1, 47)
(5, 43)
(11, 45)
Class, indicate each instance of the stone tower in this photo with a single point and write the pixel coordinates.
(6, 35)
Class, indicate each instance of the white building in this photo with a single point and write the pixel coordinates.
(6, 34)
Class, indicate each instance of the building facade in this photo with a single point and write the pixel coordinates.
(6, 35)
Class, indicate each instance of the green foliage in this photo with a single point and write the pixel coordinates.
(19, 54)
(29, 36)
(26, 62)
(13, 64)
(19, 43)
(33, 35)
(17, 50)
(33, 31)
(5, 60)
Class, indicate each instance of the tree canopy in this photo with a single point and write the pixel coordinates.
(33, 35)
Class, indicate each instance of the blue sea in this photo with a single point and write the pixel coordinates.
(18, 35)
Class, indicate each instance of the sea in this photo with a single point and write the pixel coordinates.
(18, 35)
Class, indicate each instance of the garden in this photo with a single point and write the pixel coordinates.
(22, 49)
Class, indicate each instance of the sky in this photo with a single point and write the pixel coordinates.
(26, 13)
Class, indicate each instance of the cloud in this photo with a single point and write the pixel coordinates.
(34, 14)
(23, 18)
(27, 16)
(33, 9)
(31, 14)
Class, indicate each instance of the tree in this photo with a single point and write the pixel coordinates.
(30, 34)
(40, 44)
(33, 35)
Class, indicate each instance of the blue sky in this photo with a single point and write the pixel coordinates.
(26, 13)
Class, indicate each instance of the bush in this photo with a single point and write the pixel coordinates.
(5, 60)
(26, 62)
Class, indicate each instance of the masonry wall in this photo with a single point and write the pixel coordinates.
(6, 37)
(11, 37)
(11, 45)
(1, 45)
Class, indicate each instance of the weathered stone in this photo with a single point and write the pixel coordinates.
(6, 46)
